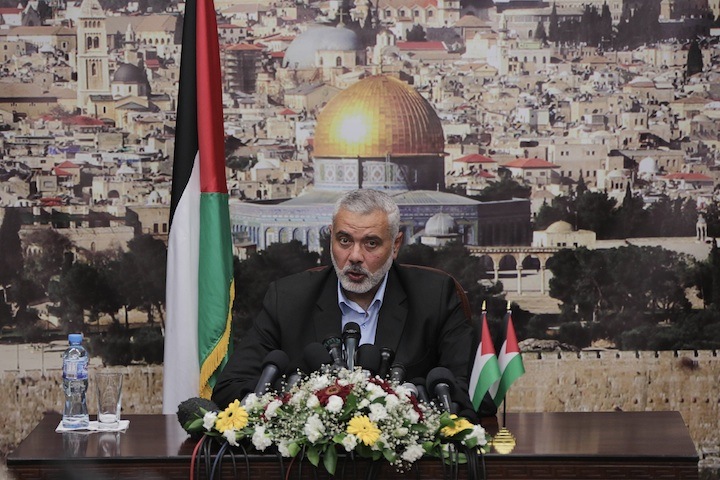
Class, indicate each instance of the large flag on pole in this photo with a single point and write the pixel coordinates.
(510, 362)
(200, 287)
(485, 371)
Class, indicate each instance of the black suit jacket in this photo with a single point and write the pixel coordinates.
(421, 320)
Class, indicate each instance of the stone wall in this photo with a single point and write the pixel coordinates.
(631, 381)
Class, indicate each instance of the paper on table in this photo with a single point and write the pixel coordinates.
(93, 427)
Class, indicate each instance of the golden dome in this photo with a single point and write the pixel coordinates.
(377, 116)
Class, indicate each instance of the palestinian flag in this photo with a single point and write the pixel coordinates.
(485, 371)
(510, 361)
(200, 287)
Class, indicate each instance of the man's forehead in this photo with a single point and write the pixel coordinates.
(374, 220)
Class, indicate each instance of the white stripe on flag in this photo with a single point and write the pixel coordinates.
(181, 371)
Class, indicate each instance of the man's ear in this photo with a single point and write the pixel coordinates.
(397, 243)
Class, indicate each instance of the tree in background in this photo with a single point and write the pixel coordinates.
(254, 274)
(142, 269)
(553, 25)
(11, 259)
(53, 252)
(694, 59)
(540, 34)
(620, 288)
(416, 34)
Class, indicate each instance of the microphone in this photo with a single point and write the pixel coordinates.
(316, 357)
(368, 357)
(351, 339)
(422, 392)
(274, 363)
(412, 387)
(294, 375)
(386, 357)
(334, 347)
(397, 372)
(441, 382)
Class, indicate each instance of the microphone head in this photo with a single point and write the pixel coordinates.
(440, 375)
(368, 357)
(397, 372)
(315, 356)
(351, 330)
(332, 342)
(278, 358)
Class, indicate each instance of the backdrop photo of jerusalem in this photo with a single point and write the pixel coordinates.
(558, 156)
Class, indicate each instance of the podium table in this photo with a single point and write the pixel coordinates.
(587, 445)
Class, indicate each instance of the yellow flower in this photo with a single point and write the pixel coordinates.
(234, 417)
(364, 429)
(458, 426)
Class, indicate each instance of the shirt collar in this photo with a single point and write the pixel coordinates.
(344, 302)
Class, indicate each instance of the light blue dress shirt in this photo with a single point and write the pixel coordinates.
(368, 320)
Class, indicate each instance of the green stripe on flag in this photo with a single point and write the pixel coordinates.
(489, 374)
(513, 370)
(215, 285)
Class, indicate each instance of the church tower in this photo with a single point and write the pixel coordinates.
(93, 72)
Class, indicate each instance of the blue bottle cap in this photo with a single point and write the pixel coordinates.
(75, 338)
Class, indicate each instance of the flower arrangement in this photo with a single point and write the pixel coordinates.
(341, 411)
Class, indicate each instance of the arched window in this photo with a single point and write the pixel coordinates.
(89, 43)
(96, 42)
(338, 61)
(93, 69)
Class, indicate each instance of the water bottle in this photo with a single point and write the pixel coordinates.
(75, 383)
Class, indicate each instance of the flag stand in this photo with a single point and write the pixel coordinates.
(504, 411)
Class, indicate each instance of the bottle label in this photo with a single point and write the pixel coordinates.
(75, 369)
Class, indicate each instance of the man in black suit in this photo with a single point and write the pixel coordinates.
(414, 312)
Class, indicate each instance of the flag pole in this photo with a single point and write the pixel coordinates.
(504, 413)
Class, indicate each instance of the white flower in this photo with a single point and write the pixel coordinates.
(230, 437)
(377, 412)
(350, 442)
(250, 401)
(319, 382)
(403, 391)
(283, 448)
(209, 420)
(313, 401)
(363, 403)
(272, 408)
(413, 416)
(297, 398)
(479, 433)
(314, 428)
(401, 432)
(374, 391)
(391, 402)
(413, 453)
(260, 440)
(334, 404)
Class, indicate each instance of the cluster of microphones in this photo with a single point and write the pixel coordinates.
(345, 351)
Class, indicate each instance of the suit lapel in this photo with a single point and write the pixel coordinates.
(393, 313)
(327, 317)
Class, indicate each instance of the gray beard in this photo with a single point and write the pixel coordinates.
(371, 279)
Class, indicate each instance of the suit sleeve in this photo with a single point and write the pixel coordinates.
(455, 345)
(242, 371)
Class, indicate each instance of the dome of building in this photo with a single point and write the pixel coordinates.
(301, 51)
(647, 165)
(560, 227)
(377, 116)
(440, 224)
(128, 73)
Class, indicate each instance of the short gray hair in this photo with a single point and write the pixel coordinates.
(364, 201)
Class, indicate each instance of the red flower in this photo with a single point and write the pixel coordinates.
(341, 391)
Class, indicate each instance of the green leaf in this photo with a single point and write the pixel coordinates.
(389, 455)
(194, 425)
(339, 438)
(294, 449)
(376, 455)
(330, 459)
(313, 455)
(418, 427)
